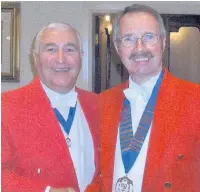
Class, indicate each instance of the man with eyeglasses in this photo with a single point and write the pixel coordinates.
(150, 125)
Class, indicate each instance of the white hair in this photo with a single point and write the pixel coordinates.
(36, 46)
(135, 8)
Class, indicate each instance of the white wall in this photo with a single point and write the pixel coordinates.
(184, 54)
(34, 15)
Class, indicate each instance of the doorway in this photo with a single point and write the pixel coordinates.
(181, 56)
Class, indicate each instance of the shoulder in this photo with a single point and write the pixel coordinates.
(185, 88)
(114, 91)
(22, 96)
(188, 97)
(87, 96)
(23, 92)
(84, 93)
(15, 95)
(14, 103)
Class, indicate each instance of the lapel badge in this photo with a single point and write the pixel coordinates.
(38, 171)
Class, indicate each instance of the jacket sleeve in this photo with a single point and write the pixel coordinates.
(95, 186)
(11, 179)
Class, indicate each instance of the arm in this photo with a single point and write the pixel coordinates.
(11, 180)
(95, 186)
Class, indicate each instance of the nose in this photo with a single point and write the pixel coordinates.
(60, 56)
(140, 46)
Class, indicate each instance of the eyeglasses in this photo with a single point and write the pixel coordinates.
(131, 40)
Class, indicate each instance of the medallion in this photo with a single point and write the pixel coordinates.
(124, 184)
(69, 142)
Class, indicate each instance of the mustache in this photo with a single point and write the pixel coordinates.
(147, 54)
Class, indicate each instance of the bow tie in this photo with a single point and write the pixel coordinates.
(132, 94)
(67, 100)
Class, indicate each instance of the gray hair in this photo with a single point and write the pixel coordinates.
(135, 8)
(36, 45)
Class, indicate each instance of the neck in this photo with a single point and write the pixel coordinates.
(56, 89)
(140, 79)
(59, 90)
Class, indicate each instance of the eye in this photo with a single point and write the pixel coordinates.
(129, 39)
(71, 49)
(148, 37)
(51, 50)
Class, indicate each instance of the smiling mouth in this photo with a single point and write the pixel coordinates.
(61, 69)
(141, 56)
(141, 59)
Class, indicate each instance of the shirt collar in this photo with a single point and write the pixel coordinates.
(146, 86)
(145, 89)
(69, 99)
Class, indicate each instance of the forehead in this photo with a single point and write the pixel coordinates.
(59, 36)
(138, 22)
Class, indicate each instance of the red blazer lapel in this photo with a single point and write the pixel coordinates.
(51, 129)
(110, 108)
(47, 117)
(88, 101)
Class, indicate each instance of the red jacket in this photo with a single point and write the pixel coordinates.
(32, 140)
(173, 156)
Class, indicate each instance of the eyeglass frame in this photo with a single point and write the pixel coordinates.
(137, 38)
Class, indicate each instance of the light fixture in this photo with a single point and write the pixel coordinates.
(107, 17)
(109, 28)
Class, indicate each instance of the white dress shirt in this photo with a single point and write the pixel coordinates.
(82, 148)
(138, 95)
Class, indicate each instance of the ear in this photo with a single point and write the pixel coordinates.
(35, 59)
(163, 43)
(82, 53)
(116, 47)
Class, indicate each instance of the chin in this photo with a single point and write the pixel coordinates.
(61, 89)
(137, 71)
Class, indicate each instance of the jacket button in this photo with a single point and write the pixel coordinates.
(180, 156)
(168, 185)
